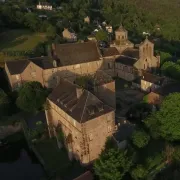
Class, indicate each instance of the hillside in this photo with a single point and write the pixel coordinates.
(140, 15)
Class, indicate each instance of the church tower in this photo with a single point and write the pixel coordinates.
(121, 34)
(121, 39)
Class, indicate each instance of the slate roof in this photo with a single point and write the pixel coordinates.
(17, 67)
(131, 52)
(77, 53)
(112, 51)
(152, 78)
(168, 89)
(124, 132)
(43, 62)
(82, 108)
(86, 176)
(126, 60)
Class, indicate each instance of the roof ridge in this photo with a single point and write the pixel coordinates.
(65, 44)
(128, 57)
(84, 105)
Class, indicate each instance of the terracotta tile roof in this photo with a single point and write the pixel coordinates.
(86, 176)
(131, 52)
(17, 67)
(77, 53)
(82, 107)
(112, 51)
(126, 60)
(168, 89)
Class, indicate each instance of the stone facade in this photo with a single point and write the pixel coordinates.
(88, 134)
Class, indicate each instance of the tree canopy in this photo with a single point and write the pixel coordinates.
(140, 138)
(165, 122)
(112, 164)
(139, 173)
(102, 35)
(31, 96)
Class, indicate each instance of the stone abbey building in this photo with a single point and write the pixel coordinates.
(86, 114)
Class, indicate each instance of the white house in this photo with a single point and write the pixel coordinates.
(44, 6)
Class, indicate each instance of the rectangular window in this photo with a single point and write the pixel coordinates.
(17, 77)
(90, 137)
(77, 66)
(33, 74)
(109, 128)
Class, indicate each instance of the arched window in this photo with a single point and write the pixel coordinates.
(122, 37)
(144, 66)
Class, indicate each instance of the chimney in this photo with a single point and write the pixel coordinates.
(79, 92)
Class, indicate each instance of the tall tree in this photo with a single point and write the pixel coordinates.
(31, 96)
(140, 138)
(112, 164)
(139, 173)
(165, 122)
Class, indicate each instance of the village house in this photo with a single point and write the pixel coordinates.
(44, 6)
(86, 121)
(156, 96)
(148, 82)
(65, 60)
(87, 19)
(69, 35)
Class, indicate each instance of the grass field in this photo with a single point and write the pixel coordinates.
(18, 40)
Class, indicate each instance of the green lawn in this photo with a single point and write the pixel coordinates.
(19, 40)
(55, 159)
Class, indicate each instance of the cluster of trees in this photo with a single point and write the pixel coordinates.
(16, 16)
(30, 97)
(171, 69)
(139, 16)
(151, 147)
